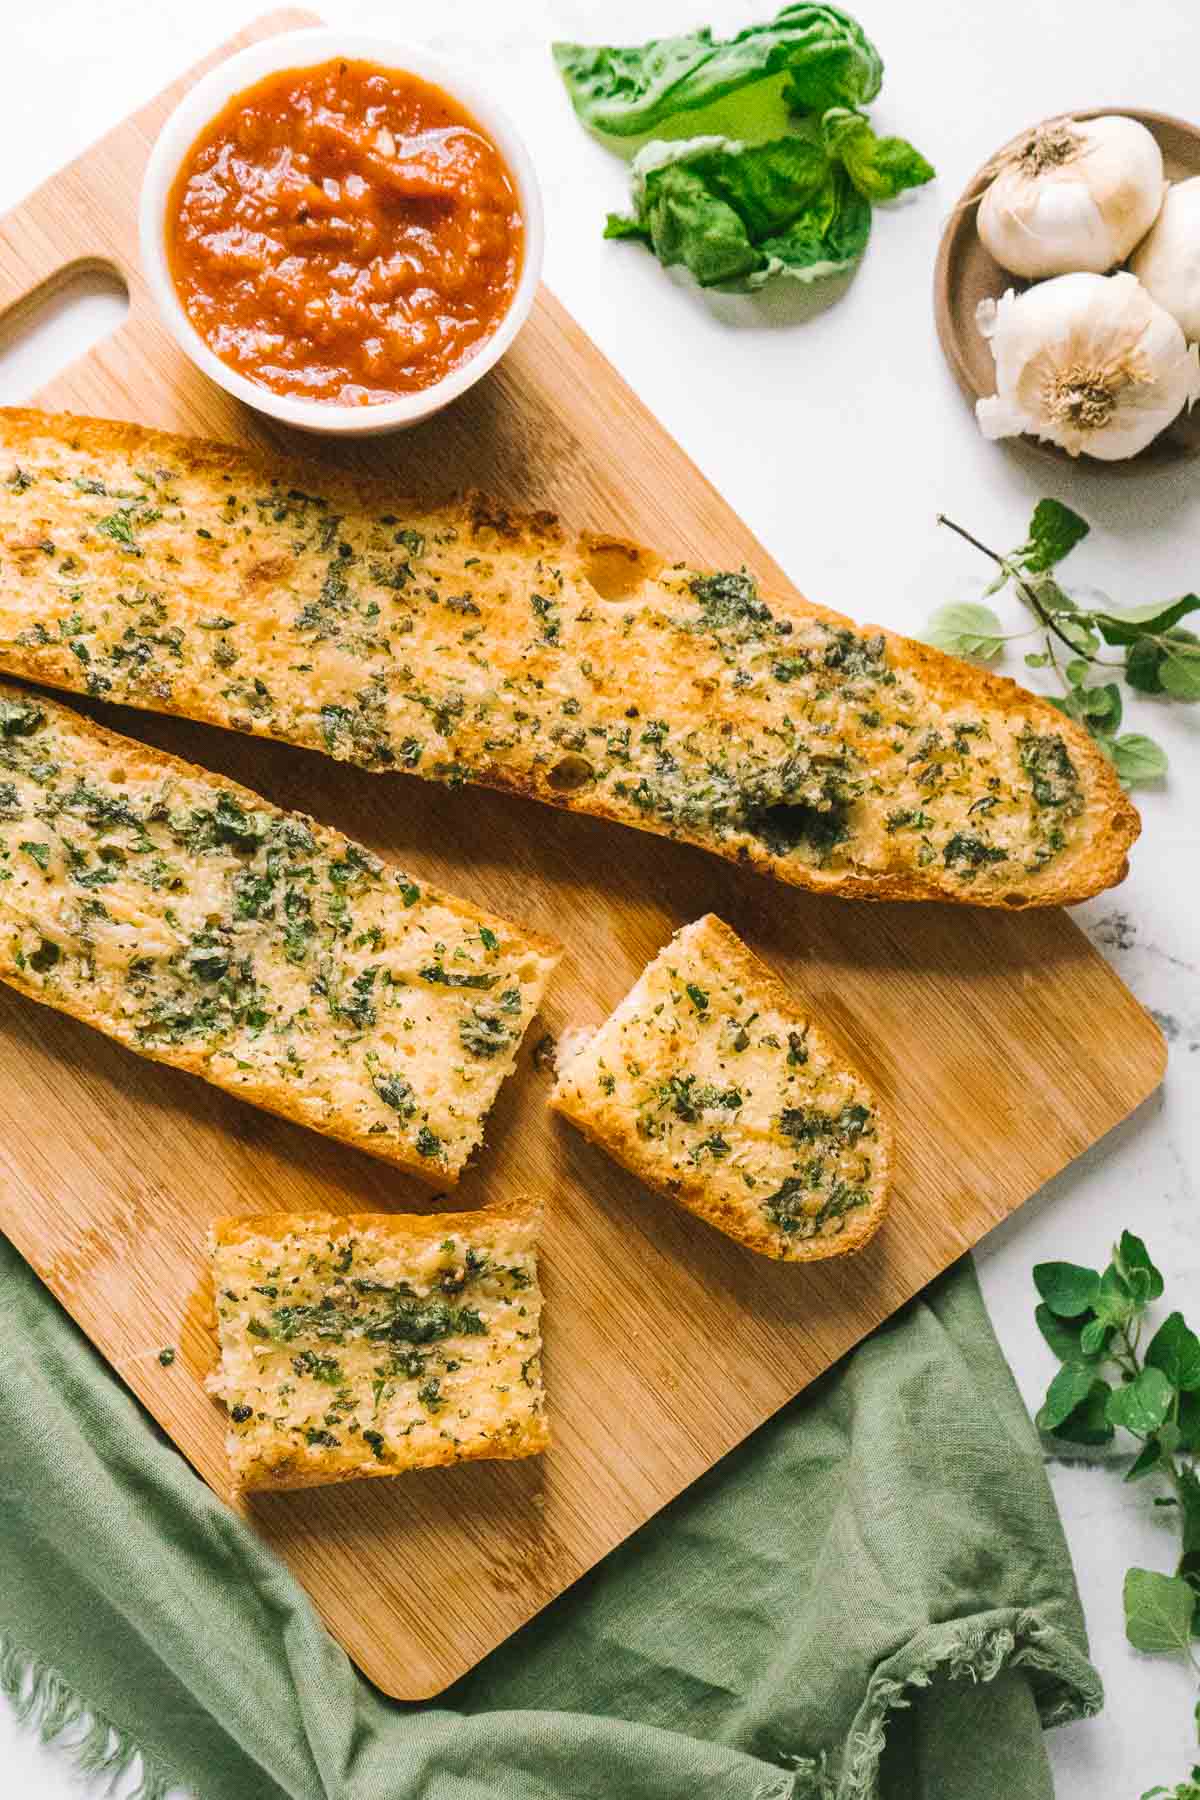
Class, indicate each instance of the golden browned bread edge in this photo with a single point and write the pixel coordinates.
(1098, 863)
(238, 1229)
(531, 1442)
(612, 1134)
(142, 758)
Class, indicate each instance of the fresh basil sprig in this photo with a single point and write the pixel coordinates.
(738, 211)
(1161, 656)
(824, 56)
(1095, 1322)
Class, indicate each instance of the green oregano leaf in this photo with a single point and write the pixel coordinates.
(1147, 1460)
(1141, 622)
(1131, 1253)
(1180, 675)
(1175, 1350)
(1141, 1405)
(1187, 1421)
(1066, 1336)
(1189, 1500)
(1115, 1302)
(1087, 1423)
(1069, 1389)
(1067, 1288)
(1138, 758)
(964, 628)
(1054, 531)
(1158, 1612)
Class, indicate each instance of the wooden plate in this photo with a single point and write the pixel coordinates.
(965, 273)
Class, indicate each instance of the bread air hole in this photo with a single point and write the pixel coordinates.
(790, 826)
(615, 569)
(570, 773)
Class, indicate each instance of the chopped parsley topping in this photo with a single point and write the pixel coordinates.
(482, 1031)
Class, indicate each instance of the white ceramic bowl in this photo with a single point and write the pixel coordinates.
(304, 50)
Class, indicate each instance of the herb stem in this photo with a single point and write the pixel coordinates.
(1026, 592)
(974, 541)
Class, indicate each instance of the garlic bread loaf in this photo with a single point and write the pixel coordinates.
(467, 643)
(370, 1343)
(713, 1086)
(188, 919)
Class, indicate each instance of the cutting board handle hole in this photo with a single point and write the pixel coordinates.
(56, 323)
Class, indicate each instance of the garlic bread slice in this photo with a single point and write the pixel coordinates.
(714, 1086)
(199, 925)
(467, 642)
(371, 1343)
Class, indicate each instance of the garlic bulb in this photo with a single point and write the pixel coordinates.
(1087, 361)
(1167, 261)
(1077, 194)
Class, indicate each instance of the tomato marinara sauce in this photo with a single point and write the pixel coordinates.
(344, 233)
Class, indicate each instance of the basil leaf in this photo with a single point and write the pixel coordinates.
(879, 167)
(738, 214)
(1054, 531)
(1158, 1612)
(826, 56)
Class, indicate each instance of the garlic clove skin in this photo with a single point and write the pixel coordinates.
(1076, 195)
(1167, 261)
(1088, 362)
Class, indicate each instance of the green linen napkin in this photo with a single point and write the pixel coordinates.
(872, 1596)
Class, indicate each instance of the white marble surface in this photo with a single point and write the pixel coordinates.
(838, 435)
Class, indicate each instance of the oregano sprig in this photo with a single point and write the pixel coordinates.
(1160, 655)
(1095, 1323)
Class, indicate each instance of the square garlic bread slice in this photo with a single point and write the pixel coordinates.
(371, 1343)
(196, 923)
(711, 1083)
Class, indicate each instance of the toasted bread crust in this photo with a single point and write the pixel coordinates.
(612, 1122)
(140, 760)
(241, 1228)
(1105, 826)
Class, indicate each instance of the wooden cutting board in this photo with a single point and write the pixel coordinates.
(1004, 1045)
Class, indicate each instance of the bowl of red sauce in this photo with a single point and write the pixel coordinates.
(341, 231)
